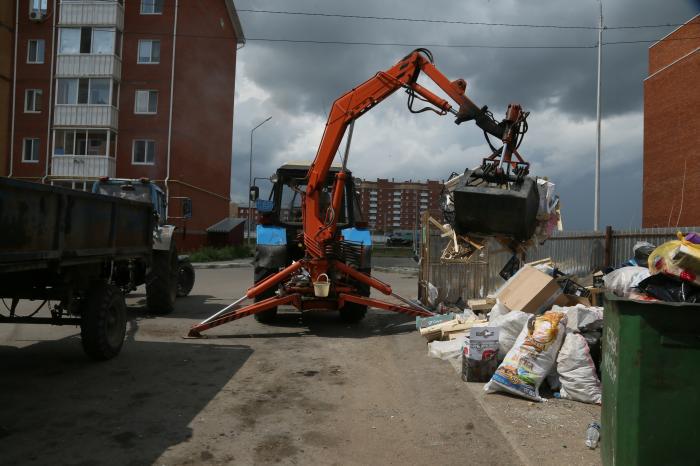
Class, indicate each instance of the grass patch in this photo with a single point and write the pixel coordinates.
(211, 254)
(392, 251)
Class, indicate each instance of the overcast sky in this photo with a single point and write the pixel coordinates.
(296, 83)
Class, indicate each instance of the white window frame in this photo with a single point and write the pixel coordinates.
(92, 40)
(43, 51)
(153, 3)
(36, 143)
(26, 100)
(133, 152)
(43, 6)
(112, 97)
(136, 99)
(138, 52)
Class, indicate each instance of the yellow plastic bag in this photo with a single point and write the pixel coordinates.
(679, 258)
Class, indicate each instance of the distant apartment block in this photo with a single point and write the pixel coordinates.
(128, 89)
(391, 205)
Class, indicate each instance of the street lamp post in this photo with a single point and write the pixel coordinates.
(596, 206)
(250, 176)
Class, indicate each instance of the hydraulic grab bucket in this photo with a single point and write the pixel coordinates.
(487, 208)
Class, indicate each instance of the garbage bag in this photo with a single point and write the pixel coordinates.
(511, 324)
(447, 349)
(680, 258)
(576, 369)
(532, 356)
(622, 280)
(582, 318)
(670, 288)
(499, 309)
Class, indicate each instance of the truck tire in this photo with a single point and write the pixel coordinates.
(260, 274)
(185, 278)
(353, 312)
(103, 322)
(161, 282)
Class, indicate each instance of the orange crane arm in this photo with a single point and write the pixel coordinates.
(320, 227)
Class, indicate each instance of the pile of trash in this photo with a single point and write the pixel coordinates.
(669, 272)
(538, 327)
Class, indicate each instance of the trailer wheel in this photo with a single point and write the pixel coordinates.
(161, 283)
(353, 312)
(260, 274)
(185, 278)
(103, 322)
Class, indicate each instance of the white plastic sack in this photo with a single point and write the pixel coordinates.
(446, 349)
(532, 356)
(511, 324)
(432, 294)
(497, 311)
(579, 381)
(622, 280)
(582, 318)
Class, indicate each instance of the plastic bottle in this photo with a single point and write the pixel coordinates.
(593, 435)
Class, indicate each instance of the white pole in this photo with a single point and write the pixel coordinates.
(250, 177)
(596, 208)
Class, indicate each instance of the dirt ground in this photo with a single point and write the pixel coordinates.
(307, 390)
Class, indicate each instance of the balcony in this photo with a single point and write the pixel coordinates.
(83, 166)
(88, 66)
(91, 13)
(86, 116)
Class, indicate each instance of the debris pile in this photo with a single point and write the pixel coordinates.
(539, 326)
(539, 335)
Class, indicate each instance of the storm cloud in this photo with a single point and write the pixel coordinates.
(296, 83)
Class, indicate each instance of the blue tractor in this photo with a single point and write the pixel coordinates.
(279, 233)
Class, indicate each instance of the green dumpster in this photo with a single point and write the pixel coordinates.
(651, 383)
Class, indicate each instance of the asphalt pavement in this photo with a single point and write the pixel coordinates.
(307, 390)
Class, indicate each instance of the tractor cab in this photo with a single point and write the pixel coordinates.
(280, 229)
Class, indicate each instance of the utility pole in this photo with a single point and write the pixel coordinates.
(596, 207)
(250, 177)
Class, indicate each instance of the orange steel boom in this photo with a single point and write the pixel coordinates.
(320, 219)
(320, 227)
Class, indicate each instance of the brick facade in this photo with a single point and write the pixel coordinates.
(192, 150)
(671, 190)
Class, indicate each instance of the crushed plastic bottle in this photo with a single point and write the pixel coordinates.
(593, 435)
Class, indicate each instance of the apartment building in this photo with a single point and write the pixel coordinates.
(671, 122)
(391, 205)
(128, 89)
(7, 28)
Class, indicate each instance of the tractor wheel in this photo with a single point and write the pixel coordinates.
(260, 274)
(161, 282)
(103, 321)
(353, 312)
(185, 278)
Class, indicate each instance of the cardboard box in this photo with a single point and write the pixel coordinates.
(530, 291)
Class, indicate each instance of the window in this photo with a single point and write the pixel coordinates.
(87, 40)
(82, 91)
(38, 6)
(143, 152)
(151, 7)
(32, 100)
(146, 102)
(83, 142)
(30, 151)
(149, 51)
(35, 51)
